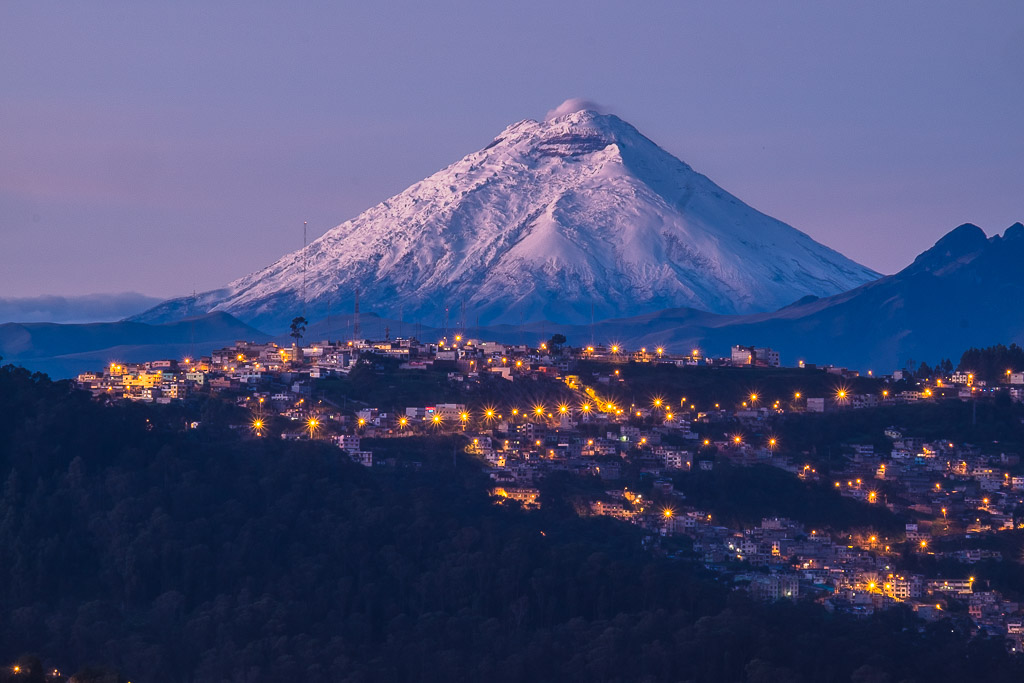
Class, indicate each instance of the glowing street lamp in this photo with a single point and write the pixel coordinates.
(312, 425)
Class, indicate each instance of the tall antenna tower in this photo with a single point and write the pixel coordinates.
(192, 325)
(355, 318)
(591, 324)
(462, 319)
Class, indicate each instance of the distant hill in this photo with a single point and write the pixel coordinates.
(66, 350)
(965, 291)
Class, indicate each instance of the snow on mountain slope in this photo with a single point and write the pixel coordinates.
(576, 216)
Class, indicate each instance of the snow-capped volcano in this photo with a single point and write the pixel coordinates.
(562, 219)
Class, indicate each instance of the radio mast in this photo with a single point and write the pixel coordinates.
(355, 318)
(304, 264)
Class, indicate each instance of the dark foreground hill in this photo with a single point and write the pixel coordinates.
(206, 555)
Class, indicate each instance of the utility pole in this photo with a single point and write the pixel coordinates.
(328, 317)
(355, 318)
(192, 325)
(305, 263)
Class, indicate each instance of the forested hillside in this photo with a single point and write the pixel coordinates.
(173, 554)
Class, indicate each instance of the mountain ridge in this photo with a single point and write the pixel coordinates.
(66, 349)
(575, 217)
(951, 297)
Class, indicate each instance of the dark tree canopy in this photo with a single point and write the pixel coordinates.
(992, 362)
(212, 555)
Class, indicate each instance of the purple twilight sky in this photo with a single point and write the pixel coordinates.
(158, 147)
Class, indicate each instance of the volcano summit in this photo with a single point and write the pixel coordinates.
(561, 219)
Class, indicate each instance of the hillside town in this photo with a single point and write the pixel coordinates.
(955, 496)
